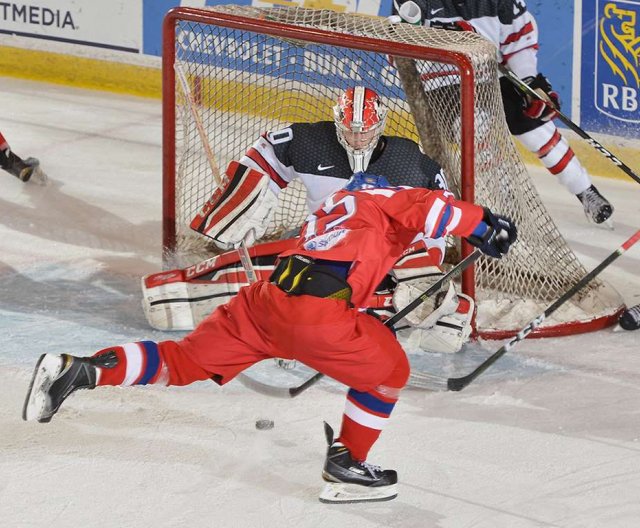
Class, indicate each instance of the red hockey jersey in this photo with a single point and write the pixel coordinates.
(372, 228)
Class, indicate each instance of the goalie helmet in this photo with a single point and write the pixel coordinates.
(360, 116)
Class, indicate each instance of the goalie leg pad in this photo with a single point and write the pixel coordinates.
(179, 299)
(182, 305)
(450, 332)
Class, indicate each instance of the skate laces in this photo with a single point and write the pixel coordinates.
(591, 199)
(634, 312)
(371, 468)
(593, 202)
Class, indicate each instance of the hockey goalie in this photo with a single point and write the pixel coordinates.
(323, 156)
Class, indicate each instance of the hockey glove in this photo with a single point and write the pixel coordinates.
(536, 108)
(455, 25)
(494, 235)
(410, 13)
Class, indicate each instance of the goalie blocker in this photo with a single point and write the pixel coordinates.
(242, 206)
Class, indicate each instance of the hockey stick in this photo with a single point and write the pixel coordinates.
(213, 165)
(527, 90)
(457, 384)
(434, 288)
(204, 139)
(245, 258)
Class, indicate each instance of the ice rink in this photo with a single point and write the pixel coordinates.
(557, 445)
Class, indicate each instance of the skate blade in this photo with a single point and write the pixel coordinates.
(38, 176)
(340, 493)
(607, 224)
(37, 401)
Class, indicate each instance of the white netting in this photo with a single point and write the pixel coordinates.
(244, 83)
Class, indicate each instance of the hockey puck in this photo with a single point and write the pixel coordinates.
(264, 424)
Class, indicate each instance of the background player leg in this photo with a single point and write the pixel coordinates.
(545, 141)
(558, 157)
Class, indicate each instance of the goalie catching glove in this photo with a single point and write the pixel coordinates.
(494, 235)
(539, 109)
(240, 208)
(409, 12)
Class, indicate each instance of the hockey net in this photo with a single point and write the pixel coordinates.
(231, 73)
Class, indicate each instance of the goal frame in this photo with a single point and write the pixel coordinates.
(319, 36)
(460, 61)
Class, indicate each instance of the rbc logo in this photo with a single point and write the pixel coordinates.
(617, 90)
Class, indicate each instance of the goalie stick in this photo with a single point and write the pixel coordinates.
(245, 258)
(204, 139)
(527, 90)
(292, 392)
(457, 384)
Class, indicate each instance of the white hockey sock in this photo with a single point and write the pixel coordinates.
(556, 155)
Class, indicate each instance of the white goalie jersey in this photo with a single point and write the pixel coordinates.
(506, 23)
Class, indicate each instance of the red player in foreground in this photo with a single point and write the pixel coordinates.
(309, 310)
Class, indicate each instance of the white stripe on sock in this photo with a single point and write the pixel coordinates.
(364, 418)
(134, 363)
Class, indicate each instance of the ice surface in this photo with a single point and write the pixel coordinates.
(549, 437)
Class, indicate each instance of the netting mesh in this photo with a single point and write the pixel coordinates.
(232, 85)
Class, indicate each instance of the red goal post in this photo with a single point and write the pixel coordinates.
(232, 72)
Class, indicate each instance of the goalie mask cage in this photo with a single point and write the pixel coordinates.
(231, 73)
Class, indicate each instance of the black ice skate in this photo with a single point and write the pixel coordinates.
(596, 207)
(349, 480)
(55, 377)
(630, 318)
(25, 170)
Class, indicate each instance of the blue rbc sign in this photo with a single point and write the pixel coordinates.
(611, 67)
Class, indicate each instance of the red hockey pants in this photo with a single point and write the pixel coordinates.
(264, 322)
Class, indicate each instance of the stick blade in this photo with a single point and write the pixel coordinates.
(457, 384)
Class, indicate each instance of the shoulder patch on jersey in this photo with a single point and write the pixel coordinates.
(326, 240)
